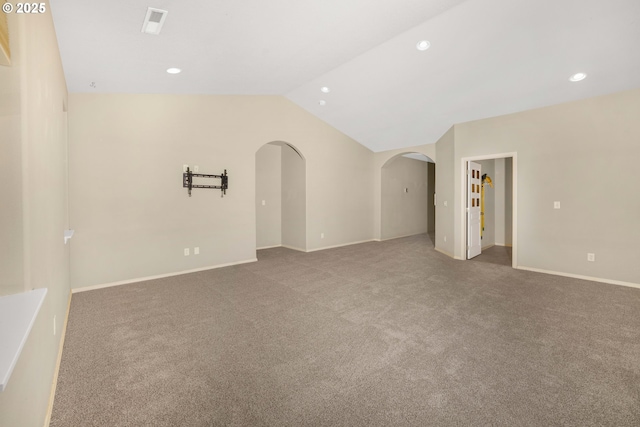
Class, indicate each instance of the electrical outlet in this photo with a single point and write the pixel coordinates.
(591, 257)
(196, 251)
(264, 202)
(445, 203)
(196, 168)
(186, 251)
(184, 168)
(322, 235)
(556, 205)
(445, 238)
(54, 325)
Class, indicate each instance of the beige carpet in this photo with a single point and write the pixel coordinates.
(376, 334)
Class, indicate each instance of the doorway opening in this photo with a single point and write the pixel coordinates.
(489, 206)
(407, 196)
(281, 197)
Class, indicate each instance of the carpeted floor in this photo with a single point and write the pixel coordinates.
(495, 255)
(376, 334)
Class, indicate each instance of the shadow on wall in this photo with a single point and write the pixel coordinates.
(280, 197)
(407, 196)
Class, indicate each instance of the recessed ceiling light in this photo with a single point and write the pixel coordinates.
(577, 77)
(423, 45)
(325, 89)
(173, 70)
(322, 102)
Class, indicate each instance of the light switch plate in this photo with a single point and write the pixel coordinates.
(556, 205)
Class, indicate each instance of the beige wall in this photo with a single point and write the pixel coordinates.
(508, 202)
(294, 199)
(34, 213)
(379, 160)
(503, 203)
(404, 213)
(133, 218)
(582, 154)
(488, 236)
(431, 190)
(11, 234)
(269, 190)
(445, 150)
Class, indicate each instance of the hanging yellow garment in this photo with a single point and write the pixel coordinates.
(485, 179)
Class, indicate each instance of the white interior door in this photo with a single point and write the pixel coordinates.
(474, 181)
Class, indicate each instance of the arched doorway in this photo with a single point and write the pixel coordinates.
(407, 196)
(280, 197)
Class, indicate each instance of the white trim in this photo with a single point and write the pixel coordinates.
(294, 248)
(268, 247)
(340, 245)
(462, 242)
(504, 245)
(159, 276)
(63, 334)
(484, 248)
(442, 251)
(400, 237)
(578, 276)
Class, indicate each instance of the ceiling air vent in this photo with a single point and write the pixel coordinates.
(154, 20)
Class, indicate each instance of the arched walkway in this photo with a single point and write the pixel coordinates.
(280, 196)
(407, 196)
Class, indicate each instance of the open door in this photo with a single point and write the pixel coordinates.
(474, 182)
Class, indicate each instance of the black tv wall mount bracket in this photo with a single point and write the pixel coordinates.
(187, 181)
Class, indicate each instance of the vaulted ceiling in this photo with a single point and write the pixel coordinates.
(486, 57)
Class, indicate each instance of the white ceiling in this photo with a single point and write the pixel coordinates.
(487, 57)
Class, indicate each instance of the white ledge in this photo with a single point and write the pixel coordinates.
(18, 313)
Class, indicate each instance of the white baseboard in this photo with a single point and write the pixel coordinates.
(52, 394)
(268, 247)
(159, 276)
(578, 276)
(340, 245)
(399, 237)
(504, 244)
(484, 248)
(293, 248)
(445, 253)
